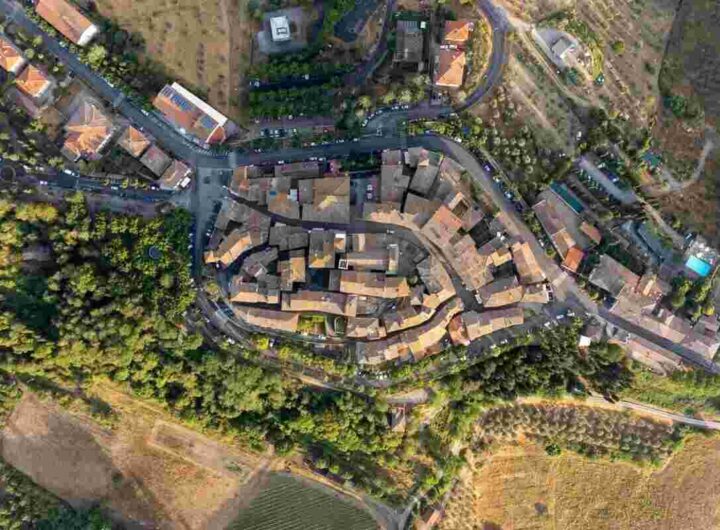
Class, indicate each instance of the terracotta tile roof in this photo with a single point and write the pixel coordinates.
(324, 244)
(365, 328)
(573, 258)
(174, 175)
(292, 270)
(191, 114)
(65, 18)
(88, 131)
(33, 81)
(480, 324)
(133, 141)
(450, 68)
(591, 231)
(320, 302)
(330, 200)
(457, 31)
(11, 58)
(156, 160)
(234, 244)
(442, 226)
(527, 267)
(268, 318)
(373, 284)
(501, 292)
(252, 293)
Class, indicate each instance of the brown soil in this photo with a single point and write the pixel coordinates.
(520, 487)
(147, 469)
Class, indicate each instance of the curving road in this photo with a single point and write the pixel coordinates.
(187, 150)
(209, 185)
(655, 412)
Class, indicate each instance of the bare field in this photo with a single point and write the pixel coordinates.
(204, 43)
(520, 487)
(145, 469)
(153, 473)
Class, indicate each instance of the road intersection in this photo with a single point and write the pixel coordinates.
(213, 169)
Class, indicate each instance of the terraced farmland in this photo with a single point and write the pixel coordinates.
(288, 504)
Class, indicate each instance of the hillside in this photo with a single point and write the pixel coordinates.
(521, 487)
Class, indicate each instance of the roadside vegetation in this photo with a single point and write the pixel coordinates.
(104, 306)
(693, 392)
(314, 100)
(116, 58)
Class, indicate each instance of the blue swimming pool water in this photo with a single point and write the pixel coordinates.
(700, 267)
(566, 196)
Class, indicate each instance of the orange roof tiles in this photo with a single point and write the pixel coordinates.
(457, 31)
(33, 82)
(572, 259)
(65, 18)
(11, 58)
(450, 68)
(174, 175)
(591, 231)
(188, 112)
(134, 142)
(156, 160)
(88, 131)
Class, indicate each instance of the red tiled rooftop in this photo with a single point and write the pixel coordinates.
(457, 31)
(450, 68)
(65, 18)
(134, 142)
(572, 259)
(88, 130)
(33, 81)
(11, 58)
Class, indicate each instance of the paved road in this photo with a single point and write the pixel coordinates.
(566, 289)
(656, 412)
(389, 120)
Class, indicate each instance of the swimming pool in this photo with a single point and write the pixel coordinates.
(698, 266)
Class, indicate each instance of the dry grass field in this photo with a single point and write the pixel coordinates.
(204, 43)
(148, 470)
(145, 469)
(643, 28)
(519, 487)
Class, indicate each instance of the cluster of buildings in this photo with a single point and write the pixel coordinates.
(88, 128)
(638, 300)
(570, 234)
(296, 191)
(449, 59)
(394, 294)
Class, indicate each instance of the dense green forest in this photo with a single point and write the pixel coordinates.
(100, 305)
